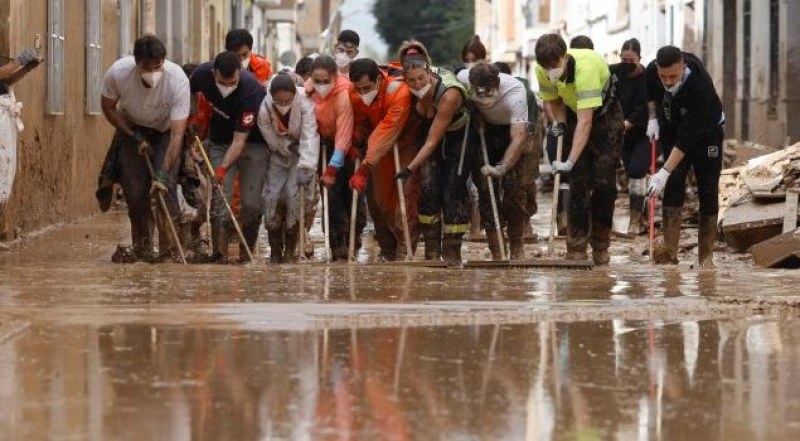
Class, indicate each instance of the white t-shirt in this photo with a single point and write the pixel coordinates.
(511, 106)
(155, 107)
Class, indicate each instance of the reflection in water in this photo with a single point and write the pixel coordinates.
(625, 380)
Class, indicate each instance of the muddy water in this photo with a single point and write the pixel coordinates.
(96, 351)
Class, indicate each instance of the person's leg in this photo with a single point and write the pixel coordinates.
(454, 191)
(339, 196)
(220, 218)
(606, 143)
(430, 205)
(252, 166)
(383, 232)
(707, 165)
(674, 197)
(273, 201)
(497, 139)
(135, 181)
(517, 205)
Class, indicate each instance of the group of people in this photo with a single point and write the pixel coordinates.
(405, 143)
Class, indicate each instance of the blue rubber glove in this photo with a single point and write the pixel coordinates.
(337, 159)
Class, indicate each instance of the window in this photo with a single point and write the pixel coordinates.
(124, 13)
(55, 57)
(94, 56)
(774, 59)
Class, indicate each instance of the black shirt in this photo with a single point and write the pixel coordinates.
(236, 113)
(694, 115)
(632, 92)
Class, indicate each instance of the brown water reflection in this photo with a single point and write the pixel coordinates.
(622, 380)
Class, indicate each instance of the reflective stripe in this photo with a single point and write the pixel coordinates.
(548, 89)
(455, 229)
(429, 220)
(588, 94)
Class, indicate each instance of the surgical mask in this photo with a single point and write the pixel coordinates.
(342, 59)
(468, 65)
(369, 97)
(675, 88)
(225, 91)
(152, 78)
(420, 94)
(486, 100)
(323, 89)
(554, 74)
(245, 63)
(283, 110)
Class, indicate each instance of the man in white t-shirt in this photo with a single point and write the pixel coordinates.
(500, 102)
(147, 99)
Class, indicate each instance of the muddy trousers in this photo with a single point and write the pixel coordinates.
(252, 169)
(593, 186)
(340, 197)
(135, 179)
(281, 203)
(516, 192)
(444, 199)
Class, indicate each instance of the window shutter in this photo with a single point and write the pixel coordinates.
(94, 55)
(55, 56)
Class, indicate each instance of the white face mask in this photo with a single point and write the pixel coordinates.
(369, 97)
(468, 65)
(554, 74)
(420, 94)
(283, 110)
(225, 91)
(675, 88)
(342, 59)
(486, 100)
(152, 78)
(323, 89)
(245, 63)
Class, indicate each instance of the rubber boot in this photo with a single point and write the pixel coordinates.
(706, 240)
(290, 245)
(667, 252)
(561, 215)
(432, 235)
(251, 237)
(451, 249)
(494, 247)
(516, 244)
(276, 246)
(220, 230)
(635, 225)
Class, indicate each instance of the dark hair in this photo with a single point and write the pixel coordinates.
(364, 67)
(227, 63)
(581, 42)
(632, 45)
(349, 36)
(149, 48)
(189, 68)
(475, 47)
(237, 38)
(282, 82)
(326, 63)
(549, 49)
(503, 67)
(668, 55)
(413, 55)
(484, 75)
(303, 67)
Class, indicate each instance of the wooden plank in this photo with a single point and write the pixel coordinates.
(782, 251)
(538, 263)
(790, 216)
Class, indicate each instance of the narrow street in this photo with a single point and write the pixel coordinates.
(95, 350)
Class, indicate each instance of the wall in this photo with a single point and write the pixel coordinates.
(58, 156)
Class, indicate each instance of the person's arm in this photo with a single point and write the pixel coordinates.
(674, 159)
(235, 150)
(385, 135)
(309, 137)
(109, 107)
(344, 123)
(20, 73)
(519, 133)
(179, 117)
(9, 69)
(177, 129)
(581, 136)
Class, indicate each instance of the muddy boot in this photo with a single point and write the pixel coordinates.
(576, 248)
(666, 253)
(432, 235)
(706, 240)
(494, 247)
(517, 248)
(451, 249)
(635, 225)
(251, 237)
(561, 215)
(290, 245)
(220, 231)
(276, 246)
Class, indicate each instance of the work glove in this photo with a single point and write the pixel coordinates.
(658, 182)
(557, 129)
(159, 184)
(359, 180)
(337, 159)
(653, 129)
(563, 167)
(219, 173)
(329, 176)
(142, 145)
(304, 176)
(28, 56)
(404, 174)
(496, 171)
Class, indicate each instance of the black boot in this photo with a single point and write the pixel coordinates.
(494, 247)
(276, 245)
(220, 231)
(251, 238)
(561, 214)
(291, 238)
(432, 235)
(451, 249)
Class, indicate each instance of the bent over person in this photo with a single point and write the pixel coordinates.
(579, 79)
(146, 98)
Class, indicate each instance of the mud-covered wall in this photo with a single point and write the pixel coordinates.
(58, 156)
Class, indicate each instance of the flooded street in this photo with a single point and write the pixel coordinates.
(90, 350)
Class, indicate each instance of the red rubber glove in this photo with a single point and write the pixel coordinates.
(220, 174)
(329, 177)
(359, 180)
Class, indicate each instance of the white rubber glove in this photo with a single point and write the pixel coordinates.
(658, 182)
(494, 171)
(653, 129)
(563, 167)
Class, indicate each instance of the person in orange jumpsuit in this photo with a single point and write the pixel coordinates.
(381, 106)
(330, 92)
